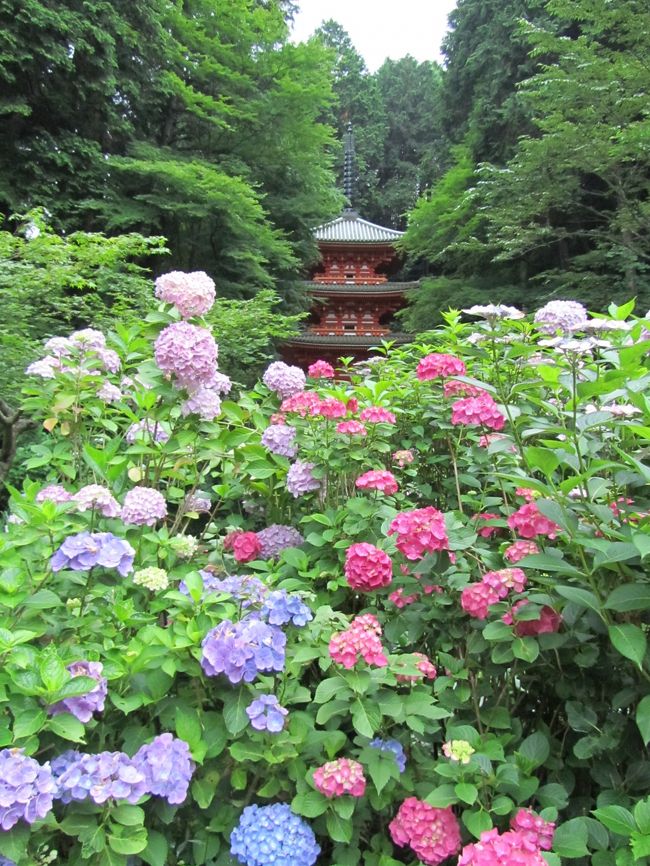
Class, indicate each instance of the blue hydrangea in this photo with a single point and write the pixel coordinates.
(26, 788)
(391, 746)
(167, 767)
(273, 836)
(107, 775)
(241, 650)
(249, 590)
(266, 714)
(281, 607)
(5, 862)
(85, 550)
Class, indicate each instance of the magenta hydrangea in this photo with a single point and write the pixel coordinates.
(26, 788)
(276, 538)
(192, 294)
(283, 379)
(300, 479)
(83, 706)
(432, 833)
(167, 767)
(143, 506)
(419, 532)
(367, 567)
(279, 439)
(188, 353)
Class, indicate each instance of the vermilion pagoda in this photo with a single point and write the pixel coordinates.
(354, 302)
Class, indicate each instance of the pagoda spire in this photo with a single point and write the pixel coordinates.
(348, 165)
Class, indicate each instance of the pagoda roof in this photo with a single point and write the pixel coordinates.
(359, 288)
(348, 340)
(349, 228)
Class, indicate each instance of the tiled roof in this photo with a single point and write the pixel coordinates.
(350, 340)
(350, 228)
(359, 288)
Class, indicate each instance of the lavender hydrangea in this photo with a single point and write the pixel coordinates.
(300, 479)
(281, 607)
(391, 746)
(279, 439)
(192, 294)
(492, 312)
(85, 550)
(266, 714)
(188, 353)
(102, 777)
(220, 383)
(143, 506)
(147, 430)
(60, 764)
(97, 498)
(283, 379)
(248, 589)
(88, 338)
(567, 316)
(26, 788)
(109, 393)
(273, 836)
(242, 650)
(83, 706)
(53, 493)
(167, 767)
(276, 538)
(203, 402)
(45, 368)
(197, 502)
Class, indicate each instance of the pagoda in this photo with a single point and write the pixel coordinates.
(353, 300)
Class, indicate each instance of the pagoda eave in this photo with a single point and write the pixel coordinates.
(366, 289)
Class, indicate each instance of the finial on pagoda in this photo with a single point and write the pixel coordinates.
(348, 165)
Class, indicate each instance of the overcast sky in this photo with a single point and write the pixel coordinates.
(381, 28)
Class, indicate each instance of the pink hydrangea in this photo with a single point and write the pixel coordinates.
(486, 531)
(285, 380)
(505, 580)
(433, 834)
(427, 670)
(320, 370)
(203, 402)
(301, 403)
(246, 546)
(477, 411)
(109, 393)
(353, 405)
(529, 522)
(330, 408)
(476, 599)
(352, 428)
(513, 847)
(53, 493)
(192, 294)
(540, 831)
(339, 777)
(97, 498)
(361, 639)
(188, 353)
(438, 365)
(143, 506)
(402, 458)
(549, 620)
(419, 532)
(367, 567)
(377, 415)
(220, 383)
(519, 549)
(456, 388)
(400, 600)
(377, 479)
(528, 494)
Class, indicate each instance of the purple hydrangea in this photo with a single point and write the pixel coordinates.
(220, 383)
(46, 367)
(266, 714)
(83, 706)
(241, 650)
(53, 493)
(391, 746)
(97, 498)
(26, 788)
(188, 353)
(109, 393)
(273, 836)
(197, 502)
(284, 380)
(60, 764)
(143, 506)
(110, 360)
(248, 589)
(87, 549)
(300, 479)
(167, 767)
(276, 538)
(279, 439)
(88, 338)
(192, 294)
(281, 607)
(102, 777)
(564, 316)
(147, 430)
(203, 402)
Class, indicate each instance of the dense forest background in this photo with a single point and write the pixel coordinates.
(520, 167)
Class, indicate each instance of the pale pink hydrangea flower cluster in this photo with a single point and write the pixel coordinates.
(377, 479)
(53, 493)
(419, 532)
(340, 777)
(285, 380)
(512, 847)
(109, 393)
(479, 411)
(403, 458)
(203, 402)
(477, 598)
(352, 428)
(432, 834)
(187, 353)
(367, 567)
(529, 522)
(94, 497)
(427, 670)
(86, 348)
(437, 366)
(147, 430)
(192, 294)
(320, 370)
(361, 639)
(143, 506)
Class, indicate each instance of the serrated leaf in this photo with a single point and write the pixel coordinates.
(67, 726)
(477, 822)
(155, 854)
(234, 711)
(466, 792)
(617, 819)
(129, 816)
(129, 844)
(640, 844)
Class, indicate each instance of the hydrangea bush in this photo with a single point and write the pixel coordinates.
(410, 627)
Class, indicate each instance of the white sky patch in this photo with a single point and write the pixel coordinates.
(381, 28)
